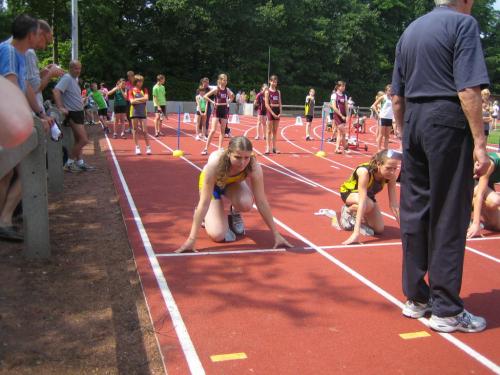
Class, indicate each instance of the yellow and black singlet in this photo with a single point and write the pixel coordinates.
(218, 190)
(351, 185)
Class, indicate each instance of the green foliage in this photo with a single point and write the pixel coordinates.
(313, 42)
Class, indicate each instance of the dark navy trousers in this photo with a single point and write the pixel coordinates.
(435, 202)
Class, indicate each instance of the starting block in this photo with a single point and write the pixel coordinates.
(298, 121)
(235, 119)
(187, 118)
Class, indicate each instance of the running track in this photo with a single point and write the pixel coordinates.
(319, 308)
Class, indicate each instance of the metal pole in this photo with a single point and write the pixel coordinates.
(74, 29)
(269, 65)
(178, 127)
(322, 130)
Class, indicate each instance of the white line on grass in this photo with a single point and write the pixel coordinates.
(192, 358)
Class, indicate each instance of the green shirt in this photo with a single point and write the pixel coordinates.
(159, 94)
(99, 99)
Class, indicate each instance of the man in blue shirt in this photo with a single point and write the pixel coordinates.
(438, 74)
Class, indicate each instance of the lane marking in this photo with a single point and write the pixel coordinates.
(483, 254)
(228, 357)
(187, 346)
(222, 252)
(414, 335)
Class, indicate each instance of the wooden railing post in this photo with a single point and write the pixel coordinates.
(35, 203)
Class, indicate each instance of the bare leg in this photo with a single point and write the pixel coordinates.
(275, 125)
(144, 129)
(211, 133)
(268, 135)
(216, 224)
(81, 140)
(134, 131)
(223, 124)
(14, 194)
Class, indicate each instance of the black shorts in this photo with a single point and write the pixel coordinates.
(120, 109)
(102, 112)
(77, 117)
(309, 118)
(331, 116)
(346, 194)
(163, 109)
(222, 111)
(386, 122)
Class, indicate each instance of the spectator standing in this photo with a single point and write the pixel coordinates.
(67, 95)
(439, 71)
(160, 103)
(237, 100)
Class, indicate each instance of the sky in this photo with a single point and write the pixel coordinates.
(497, 5)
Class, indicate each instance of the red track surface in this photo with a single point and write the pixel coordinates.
(293, 312)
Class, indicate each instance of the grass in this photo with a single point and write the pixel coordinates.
(494, 137)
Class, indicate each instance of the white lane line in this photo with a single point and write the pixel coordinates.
(222, 252)
(192, 358)
(483, 254)
(289, 175)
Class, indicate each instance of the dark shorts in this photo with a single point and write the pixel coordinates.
(102, 112)
(222, 112)
(331, 115)
(138, 117)
(338, 120)
(77, 117)
(309, 118)
(120, 109)
(276, 111)
(346, 194)
(218, 192)
(262, 112)
(386, 122)
(163, 109)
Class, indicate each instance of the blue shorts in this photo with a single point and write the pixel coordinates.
(218, 192)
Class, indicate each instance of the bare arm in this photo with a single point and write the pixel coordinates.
(49, 72)
(209, 94)
(471, 102)
(376, 103)
(16, 120)
(58, 99)
(393, 198)
(262, 204)
(363, 180)
(480, 191)
(398, 107)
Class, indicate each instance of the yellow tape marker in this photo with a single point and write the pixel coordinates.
(228, 357)
(414, 335)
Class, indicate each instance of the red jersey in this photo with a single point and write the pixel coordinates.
(221, 96)
(274, 98)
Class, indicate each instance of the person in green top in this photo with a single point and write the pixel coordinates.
(160, 103)
(102, 107)
(120, 106)
(486, 203)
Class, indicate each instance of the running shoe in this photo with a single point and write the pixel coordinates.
(347, 220)
(256, 138)
(137, 150)
(73, 168)
(365, 230)
(148, 150)
(230, 236)
(85, 167)
(463, 322)
(160, 133)
(416, 310)
(308, 138)
(197, 138)
(123, 135)
(204, 152)
(236, 222)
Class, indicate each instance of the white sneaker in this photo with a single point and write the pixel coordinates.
(148, 150)
(347, 220)
(137, 150)
(230, 236)
(464, 322)
(236, 222)
(416, 310)
(204, 152)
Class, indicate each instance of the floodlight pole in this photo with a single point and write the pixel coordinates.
(74, 29)
(269, 65)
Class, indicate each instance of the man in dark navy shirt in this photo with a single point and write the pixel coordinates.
(438, 74)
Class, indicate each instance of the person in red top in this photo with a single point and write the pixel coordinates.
(339, 106)
(260, 105)
(273, 108)
(138, 97)
(223, 96)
